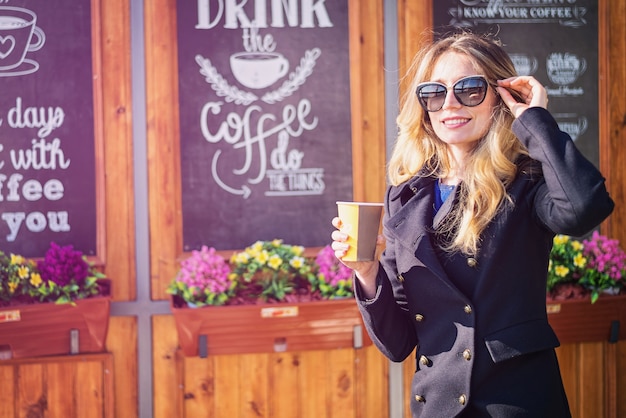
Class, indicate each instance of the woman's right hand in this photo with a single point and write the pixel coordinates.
(366, 271)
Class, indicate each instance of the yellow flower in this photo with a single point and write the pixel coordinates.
(17, 259)
(35, 279)
(275, 261)
(297, 249)
(580, 261)
(561, 239)
(277, 242)
(561, 271)
(262, 257)
(241, 258)
(12, 287)
(297, 262)
(23, 272)
(256, 247)
(577, 245)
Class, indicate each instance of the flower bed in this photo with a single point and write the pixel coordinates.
(54, 306)
(592, 267)
(266, 298)
(265, 272)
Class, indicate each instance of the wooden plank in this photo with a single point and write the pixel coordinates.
(371, 383)
(168, 380)
(122, 343)
(254, 394)
(283, 371)
(616, 74)
(227, 389)
(89, 389)
(60, 386)
(415, 20)
(370, 151)
(591, 379)
(162, 136)
(31, 398)
(7, 393)
(621, 378)
(342, 382)
(613, 158)
(314, 384)
(199, 386)
(118, 147)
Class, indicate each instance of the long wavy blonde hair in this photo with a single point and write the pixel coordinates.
(490, 167)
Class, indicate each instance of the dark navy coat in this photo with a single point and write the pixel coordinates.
(479, 326)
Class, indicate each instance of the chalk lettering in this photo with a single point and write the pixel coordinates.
(42, 155)
(292, 13)
(46, 119)
(35, 222)
(240, 132)
(31, 190)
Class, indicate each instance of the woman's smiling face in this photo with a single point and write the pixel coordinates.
(455, 124)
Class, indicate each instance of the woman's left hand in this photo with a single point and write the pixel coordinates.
(527, 88)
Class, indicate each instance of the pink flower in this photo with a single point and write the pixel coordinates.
(605, 256)
(330, 268)
(205, 270)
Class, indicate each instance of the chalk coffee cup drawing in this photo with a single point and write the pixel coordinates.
(257, 70)
(574, 125)
(18, 35)
(564, 68)
(360, 221)
(524, 64)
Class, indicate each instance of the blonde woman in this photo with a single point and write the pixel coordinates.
(481, 179)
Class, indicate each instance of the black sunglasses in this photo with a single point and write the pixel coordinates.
(469, 91)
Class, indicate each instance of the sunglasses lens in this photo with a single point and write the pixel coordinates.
(431, 96)
(471, 91)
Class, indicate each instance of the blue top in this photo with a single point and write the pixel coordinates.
(442, 191)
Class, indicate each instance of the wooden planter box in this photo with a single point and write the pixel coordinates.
(268, 328)
(577, 320)
(47, 329)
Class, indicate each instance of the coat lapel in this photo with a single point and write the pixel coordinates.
(411, 223)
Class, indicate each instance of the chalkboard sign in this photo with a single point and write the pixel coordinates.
(554, 41)
(47, 151)
(265, 122)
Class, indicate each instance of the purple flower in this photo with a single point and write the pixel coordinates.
(61, 265)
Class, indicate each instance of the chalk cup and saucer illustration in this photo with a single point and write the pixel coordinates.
(19, 35)
(257, 70)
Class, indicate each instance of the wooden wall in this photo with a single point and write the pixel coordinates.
(351, 383)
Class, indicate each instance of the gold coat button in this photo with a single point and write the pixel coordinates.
(419, 317)
(424, 360)
(467, 309)
(467, 354)
(400, 278)
(471, 261)
(420, 398)
(462, 399)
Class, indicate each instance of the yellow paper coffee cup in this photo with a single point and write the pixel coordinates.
(360, 221)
